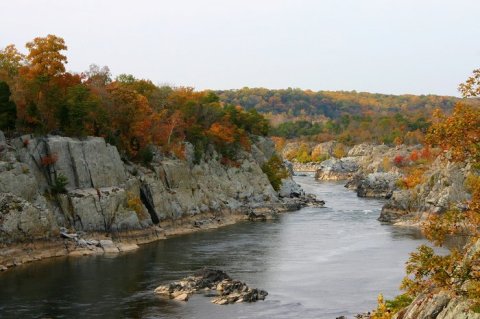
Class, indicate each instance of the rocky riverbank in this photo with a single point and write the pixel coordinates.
(63, 196)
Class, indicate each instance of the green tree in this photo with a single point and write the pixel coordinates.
(8, 110)
(275, 171)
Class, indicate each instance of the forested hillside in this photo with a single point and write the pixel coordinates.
(297, 102)
(349, 117)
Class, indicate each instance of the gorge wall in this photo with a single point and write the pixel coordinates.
(55, 187)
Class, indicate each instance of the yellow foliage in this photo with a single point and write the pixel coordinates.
(386, 164)
(414, 178)
(382, 312)
(134, 203)
(339, 151)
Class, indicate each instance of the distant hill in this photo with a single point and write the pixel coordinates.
(350, 117)
(333, 104)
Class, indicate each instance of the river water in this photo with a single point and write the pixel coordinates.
(315, 263)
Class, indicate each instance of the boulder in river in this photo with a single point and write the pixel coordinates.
(228, 290)
(337, 169)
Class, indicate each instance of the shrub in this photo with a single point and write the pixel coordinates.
(339, 151)
(382, 311)
(399, 161)
(146, 155)
(48, 160)
(134, 203)
(414, 156)
(275, 171)
(386, 164)
(414, 178)
(398, 303)
(59, 184)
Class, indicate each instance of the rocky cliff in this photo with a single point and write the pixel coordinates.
(368, 169)
(443, 188)
(83, 191)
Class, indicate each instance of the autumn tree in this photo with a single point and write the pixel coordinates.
(458, 272)
(41, 83)
(130, 119)
(11, 60)
(45, 57)
(471, 87)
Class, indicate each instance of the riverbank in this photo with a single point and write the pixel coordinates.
(98, 243)
(63, 196)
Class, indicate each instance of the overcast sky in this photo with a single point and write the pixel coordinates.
(386, 46)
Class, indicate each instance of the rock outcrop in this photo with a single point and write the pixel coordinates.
(53, 182)
(377, 185)
(224, 289)
(443, 188)
(439, 305)
(337, 169)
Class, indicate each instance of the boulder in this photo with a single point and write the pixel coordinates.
(378, 185)
(289, 188)
(337, 169)
(228, 290)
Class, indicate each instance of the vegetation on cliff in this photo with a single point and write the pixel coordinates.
(458, 135)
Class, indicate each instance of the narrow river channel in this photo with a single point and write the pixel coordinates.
(315, 263)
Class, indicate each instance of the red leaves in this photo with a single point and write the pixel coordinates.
(48, 160)
(399, 160)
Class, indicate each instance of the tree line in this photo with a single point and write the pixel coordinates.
(38, 95)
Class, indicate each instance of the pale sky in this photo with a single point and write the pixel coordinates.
(385, 46)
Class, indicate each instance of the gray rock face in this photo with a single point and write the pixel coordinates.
(179, 190)
(104, 209)
(289, 166)
(443, 187)
(306, 167)
(103, 196)
(262, 150)
(290, 189)
(377, 185)
(87, 164)
(17, 178)
(337, 169)
(22, 221)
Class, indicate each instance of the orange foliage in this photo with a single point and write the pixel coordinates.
(414, 178)
(414, 156)
(222, 132)
(131, 113)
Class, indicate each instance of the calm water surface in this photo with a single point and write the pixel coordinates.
(315, 263)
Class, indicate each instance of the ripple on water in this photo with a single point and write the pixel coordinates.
(315, 263)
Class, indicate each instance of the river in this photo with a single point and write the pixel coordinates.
(315, 263)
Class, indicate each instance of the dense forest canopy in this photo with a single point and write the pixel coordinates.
(331, 104)
(38, 95)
